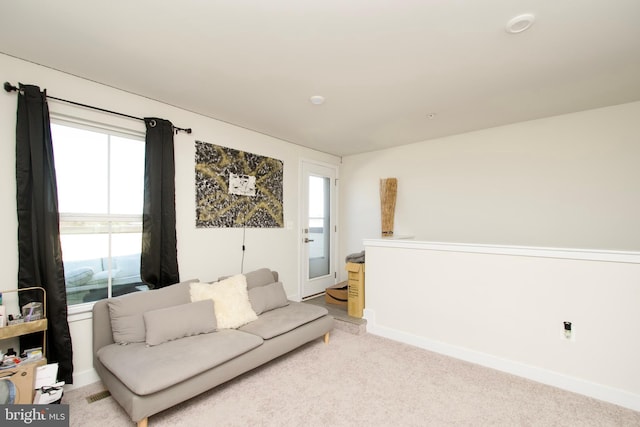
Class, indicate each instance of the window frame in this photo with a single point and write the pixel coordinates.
(83, 310)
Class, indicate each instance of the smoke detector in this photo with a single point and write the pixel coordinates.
(317, 100)
(520, 23)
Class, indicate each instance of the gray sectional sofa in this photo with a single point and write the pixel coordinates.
(155, 349)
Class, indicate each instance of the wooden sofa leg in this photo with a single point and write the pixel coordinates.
(143, 422)
(326, 338)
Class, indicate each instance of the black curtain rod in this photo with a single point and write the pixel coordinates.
(11, 88)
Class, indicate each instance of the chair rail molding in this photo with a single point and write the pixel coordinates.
(527, 251)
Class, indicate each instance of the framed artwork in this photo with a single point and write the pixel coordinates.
(237, 189)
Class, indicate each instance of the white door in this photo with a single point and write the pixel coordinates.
(318, 228)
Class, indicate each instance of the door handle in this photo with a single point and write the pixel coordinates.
(307, 240)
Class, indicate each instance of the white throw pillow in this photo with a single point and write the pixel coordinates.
(230, 298)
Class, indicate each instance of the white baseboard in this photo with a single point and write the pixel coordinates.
(575, 385)
(81, 379)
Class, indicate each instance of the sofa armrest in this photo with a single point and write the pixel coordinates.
(102, 334)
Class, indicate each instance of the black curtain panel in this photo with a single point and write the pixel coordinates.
(39, 252)
(159, 260)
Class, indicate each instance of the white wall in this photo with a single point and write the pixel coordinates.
(508, 311)
(568, 181)
(565, 181)
(202, 253)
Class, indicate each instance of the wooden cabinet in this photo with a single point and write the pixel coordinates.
(355, 293)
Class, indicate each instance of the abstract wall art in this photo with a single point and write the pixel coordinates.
(237, 189)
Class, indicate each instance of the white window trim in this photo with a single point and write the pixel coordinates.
(68, 120)
(79, 312)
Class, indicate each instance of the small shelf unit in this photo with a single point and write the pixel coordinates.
(25, 328)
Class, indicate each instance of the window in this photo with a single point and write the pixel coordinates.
(100, 177)
(319, 216)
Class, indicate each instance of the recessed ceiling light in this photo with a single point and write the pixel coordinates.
(317, 100)
(520, 23)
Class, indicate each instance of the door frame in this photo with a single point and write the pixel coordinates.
(302, 216)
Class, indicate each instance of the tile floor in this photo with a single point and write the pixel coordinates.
(344, 322)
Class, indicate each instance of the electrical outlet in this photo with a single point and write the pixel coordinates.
(568, 331)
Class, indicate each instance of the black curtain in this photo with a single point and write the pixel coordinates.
(159, 260)
(39, 252)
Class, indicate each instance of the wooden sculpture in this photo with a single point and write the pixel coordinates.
(388, 191)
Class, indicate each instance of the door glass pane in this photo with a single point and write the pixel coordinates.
(319, 226)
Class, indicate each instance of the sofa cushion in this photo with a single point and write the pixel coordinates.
(284, 319)
(267, 297)
(178, 321)
(260, 277)
(145, 370)
(101, 277)
(230, 299)
(127, 323)
(78, 276)
(95, 264)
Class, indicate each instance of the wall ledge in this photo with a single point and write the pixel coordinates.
(526, 251)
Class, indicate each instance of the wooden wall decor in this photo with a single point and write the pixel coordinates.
(388, 192)
(237, 189)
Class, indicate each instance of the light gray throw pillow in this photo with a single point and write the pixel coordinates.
(184, 320)
(260, 277)
(127, 323)
(268, 297)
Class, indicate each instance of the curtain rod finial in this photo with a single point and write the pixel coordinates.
(177, 129)
(9, 87)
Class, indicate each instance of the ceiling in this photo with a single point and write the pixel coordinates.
(392, 72)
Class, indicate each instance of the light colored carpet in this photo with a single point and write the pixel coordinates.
(364, 380)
